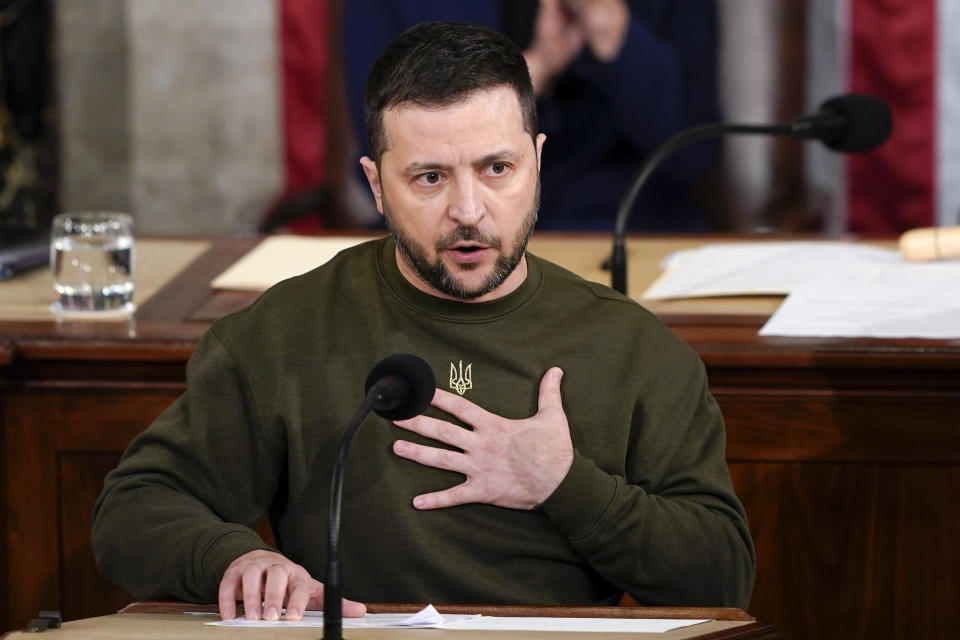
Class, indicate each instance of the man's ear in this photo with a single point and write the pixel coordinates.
(541, 138)
(373, 177)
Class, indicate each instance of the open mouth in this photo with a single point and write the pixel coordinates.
(468, 253)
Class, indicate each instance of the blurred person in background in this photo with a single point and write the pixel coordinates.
(613, 79)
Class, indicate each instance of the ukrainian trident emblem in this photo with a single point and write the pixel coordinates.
(461, 379)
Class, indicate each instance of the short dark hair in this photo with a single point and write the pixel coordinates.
(436, 64)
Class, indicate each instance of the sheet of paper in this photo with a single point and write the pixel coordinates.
(277, 258)
(911, 300)
(574, 625)
(430, 618)
(762, 268)
(426, 618)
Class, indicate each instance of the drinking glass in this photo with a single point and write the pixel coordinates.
(91, 256)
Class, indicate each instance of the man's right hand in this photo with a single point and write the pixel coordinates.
(557, 39)
(276, 581)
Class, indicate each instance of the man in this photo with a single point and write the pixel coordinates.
(574, 455)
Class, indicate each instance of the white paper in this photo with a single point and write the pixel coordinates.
(430, 618)
(834, 289)
(575, 625)
(277, 258)
(426, 618)
(762, 268)
(910, 300)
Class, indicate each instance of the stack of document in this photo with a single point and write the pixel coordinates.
(833, 288)
(430, 618)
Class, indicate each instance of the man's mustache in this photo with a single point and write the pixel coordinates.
(467, 234)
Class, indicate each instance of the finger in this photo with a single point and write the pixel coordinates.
(461, 408)
(227, 597)
(439, 430)
(460, 494)
(274, 591)
(432, 456)
(549, 396)
(300, 592)
(350, 608)
(353, 609)
(252, 591)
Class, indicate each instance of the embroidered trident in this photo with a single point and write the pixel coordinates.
(461, 379)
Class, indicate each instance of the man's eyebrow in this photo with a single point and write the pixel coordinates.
(504, 155)
(424, 167)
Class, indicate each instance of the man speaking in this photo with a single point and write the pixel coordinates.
(572, 453)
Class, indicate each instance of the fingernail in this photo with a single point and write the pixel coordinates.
(271, 614)
(419, 502)
(253, 614)
(293, 613)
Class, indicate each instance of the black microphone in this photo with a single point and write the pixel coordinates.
(849, 123)
(399, 387)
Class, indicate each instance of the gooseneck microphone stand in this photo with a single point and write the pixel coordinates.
(399, 387)
(848, 123)
(333, 587)
(618, 260)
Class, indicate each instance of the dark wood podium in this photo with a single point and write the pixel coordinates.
(846, 453)
(179, 621)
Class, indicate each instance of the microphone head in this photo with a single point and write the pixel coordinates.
(405, 384)
(869, 122)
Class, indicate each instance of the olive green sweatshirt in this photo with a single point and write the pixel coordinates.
(647, 506)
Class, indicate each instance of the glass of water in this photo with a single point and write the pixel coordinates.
(91, 255)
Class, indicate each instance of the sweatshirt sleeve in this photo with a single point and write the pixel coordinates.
(179, 507)
(672, 532)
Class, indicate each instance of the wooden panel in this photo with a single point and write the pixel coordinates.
(84, 591)
(31, 510)
(839, 426)
(39, 425)
(854, 550)
(6, 577)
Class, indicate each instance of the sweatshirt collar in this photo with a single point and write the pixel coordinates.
(442, 308)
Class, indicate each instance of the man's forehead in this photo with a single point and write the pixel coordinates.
(499, 103)
(486, 94)
(465, 130)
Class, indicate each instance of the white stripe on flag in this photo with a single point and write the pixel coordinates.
(828, 53)
(947, 133)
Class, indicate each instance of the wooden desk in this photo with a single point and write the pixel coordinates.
(161, 620)
(846, 453)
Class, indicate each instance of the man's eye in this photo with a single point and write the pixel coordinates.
(430, 178)
(498, 167)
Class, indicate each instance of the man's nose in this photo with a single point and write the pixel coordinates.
(466, 202)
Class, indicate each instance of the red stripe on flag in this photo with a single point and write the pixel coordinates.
(893, 55)
(303, 33)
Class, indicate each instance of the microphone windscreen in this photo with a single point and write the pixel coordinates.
(869, 122)
(408, 381)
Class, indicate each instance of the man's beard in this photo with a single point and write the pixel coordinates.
(436, 273)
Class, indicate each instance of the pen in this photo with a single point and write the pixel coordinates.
(18, 259)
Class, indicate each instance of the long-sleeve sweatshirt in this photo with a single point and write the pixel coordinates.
(646, 508)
